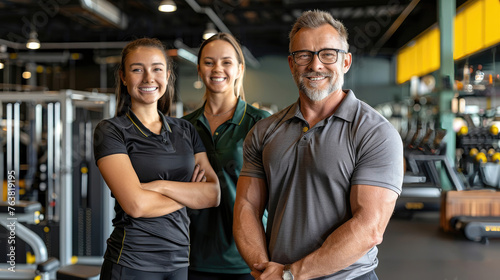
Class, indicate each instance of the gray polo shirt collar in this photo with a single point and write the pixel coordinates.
(344, 111)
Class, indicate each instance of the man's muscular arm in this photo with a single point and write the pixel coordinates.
(248, 231)
(372, 209)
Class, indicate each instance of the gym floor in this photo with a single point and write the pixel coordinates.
(416, 249)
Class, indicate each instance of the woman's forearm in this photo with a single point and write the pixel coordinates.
(195, 195)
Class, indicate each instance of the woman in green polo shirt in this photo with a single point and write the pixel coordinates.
(222, 123)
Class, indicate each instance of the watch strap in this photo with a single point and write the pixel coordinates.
(287, 270)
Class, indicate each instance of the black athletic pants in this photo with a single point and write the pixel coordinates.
(113, 271)
(196, 275)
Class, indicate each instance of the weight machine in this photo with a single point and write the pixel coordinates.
(46, 140)
(25, 212)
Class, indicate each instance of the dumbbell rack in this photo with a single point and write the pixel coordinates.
(478, 155)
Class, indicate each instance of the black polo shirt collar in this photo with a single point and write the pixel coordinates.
(144, 130)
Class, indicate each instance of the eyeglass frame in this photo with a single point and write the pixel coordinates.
(317, 54)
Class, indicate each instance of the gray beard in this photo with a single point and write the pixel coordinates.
(318, 94)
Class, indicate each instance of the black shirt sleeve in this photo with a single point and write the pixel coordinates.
(108, 140)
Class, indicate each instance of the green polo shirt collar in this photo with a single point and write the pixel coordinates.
(237, 119)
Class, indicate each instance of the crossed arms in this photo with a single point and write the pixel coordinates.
(161, 197)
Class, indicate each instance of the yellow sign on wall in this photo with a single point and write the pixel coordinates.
(477, 26)
(491, 22)
(420, 57)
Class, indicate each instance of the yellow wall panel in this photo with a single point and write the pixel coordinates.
(459, 36)
(400, 66)
(477, 26)
(424, 54)
(424, 57)
(429, 56)
(405, 65)
(491, 22)
(434, 49)
(474, 27)
(412, 61)
(420, 59)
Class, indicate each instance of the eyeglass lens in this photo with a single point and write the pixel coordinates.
(325, 56)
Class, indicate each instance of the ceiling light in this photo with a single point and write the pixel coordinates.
(33, 42)
(187, 55)
(167, 6)
(210, 31)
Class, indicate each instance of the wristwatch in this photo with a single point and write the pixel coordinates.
(287, 273)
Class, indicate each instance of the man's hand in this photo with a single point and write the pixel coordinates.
(256, 273)
(268, 271)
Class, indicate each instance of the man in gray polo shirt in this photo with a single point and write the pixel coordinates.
(328, 168)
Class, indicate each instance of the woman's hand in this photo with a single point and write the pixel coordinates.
(198, 174)
(120, 176)
(203, 191)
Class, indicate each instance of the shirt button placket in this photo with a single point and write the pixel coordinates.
(304, 131)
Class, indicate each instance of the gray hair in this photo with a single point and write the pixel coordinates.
(314, 19)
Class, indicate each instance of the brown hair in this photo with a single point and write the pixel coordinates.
(123, 100)
(314, 19)
(238, 84)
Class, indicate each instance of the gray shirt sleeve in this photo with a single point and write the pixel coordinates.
(379, 158)
(252, 153)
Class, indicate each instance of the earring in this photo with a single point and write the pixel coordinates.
(125, 83)
(198, 84)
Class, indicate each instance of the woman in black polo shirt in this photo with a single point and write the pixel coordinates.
(155, 166)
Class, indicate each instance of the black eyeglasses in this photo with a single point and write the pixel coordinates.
(326, 56)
